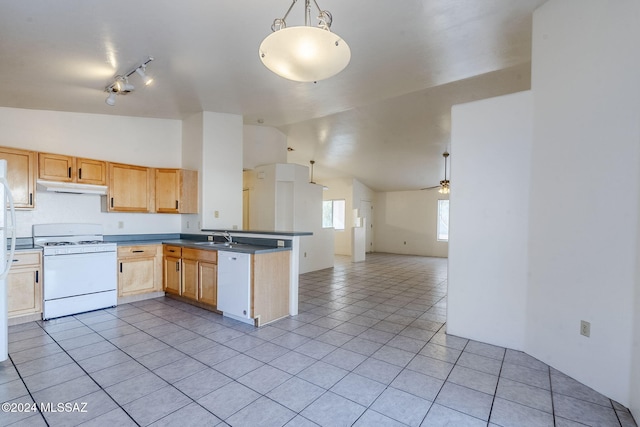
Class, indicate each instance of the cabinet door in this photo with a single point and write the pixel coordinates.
(21, 174)
(136, 276)
(207, 280)
(129, 188)
(24, 292)
(167, 191)
(56, 167)
(91, 171)
(190, 278)
(172, 275)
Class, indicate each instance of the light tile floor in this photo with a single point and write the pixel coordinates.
(367, 349)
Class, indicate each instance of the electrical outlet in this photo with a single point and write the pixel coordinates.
(120, 224)
(281, 243)
(585, 328)
(305, 254)
(210, 238)
(188, 224)
(216, 214)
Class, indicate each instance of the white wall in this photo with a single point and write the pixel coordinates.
(132, 140)
(584, 203)
(263, 145)
(406, 223)
(221, 171)
(282, 199)
(490, 152)
(583, 251)
(353, 192)
(192, 159)
(341, 189)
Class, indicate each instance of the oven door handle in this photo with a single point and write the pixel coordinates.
(10, 229)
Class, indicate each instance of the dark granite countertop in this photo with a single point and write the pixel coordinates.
(270, 233)
(200, 241)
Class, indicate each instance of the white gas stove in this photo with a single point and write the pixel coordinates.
(79, 268)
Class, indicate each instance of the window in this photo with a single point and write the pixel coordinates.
(443, 220)
(333, 212)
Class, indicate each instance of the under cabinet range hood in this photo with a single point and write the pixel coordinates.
(71, 187)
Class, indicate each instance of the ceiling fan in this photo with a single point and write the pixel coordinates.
(444, 184)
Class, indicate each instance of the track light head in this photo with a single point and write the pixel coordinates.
(111, 99)
(122, 85)
(145, 78)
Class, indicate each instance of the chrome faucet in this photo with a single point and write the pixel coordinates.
(228, 237)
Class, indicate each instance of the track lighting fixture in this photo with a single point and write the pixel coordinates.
(121, 85)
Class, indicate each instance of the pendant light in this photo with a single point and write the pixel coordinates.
(313, 162)
(305, 53)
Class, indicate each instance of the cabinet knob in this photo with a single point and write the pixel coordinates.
(69, 172)
(80, 173)
(137, 251)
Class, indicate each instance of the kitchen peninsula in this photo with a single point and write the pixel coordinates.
(276, 238)
(253, 278)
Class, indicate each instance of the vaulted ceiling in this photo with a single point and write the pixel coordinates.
(384, 120)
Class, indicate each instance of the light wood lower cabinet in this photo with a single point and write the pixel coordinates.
(208, 283)
(191, 273)
(24, 284)
(172, 271)
(139, 269)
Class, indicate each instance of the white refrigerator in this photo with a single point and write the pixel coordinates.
(7, 231)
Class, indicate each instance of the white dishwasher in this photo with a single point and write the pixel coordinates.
(234, 285)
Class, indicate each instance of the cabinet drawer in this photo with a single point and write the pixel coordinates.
(25, 259)
(173, 251)
(136, 251)
(200, 255)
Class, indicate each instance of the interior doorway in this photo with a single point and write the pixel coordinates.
(366, 212)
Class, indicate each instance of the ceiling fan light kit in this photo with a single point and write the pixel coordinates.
(443, 188)
(121, 85)
(305, 53)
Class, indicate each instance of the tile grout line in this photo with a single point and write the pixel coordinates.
(28, 391)
(495, 391)
(87, 373)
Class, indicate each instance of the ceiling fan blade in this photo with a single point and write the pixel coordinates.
(430, 188)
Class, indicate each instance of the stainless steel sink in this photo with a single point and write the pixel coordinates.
(211, 243)
(221, 244)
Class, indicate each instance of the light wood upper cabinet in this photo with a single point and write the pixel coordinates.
(130, 188)
(24, 284)
(139, 269)
(57, 167)
(91, 171)
(21, 175)
(176, 191)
